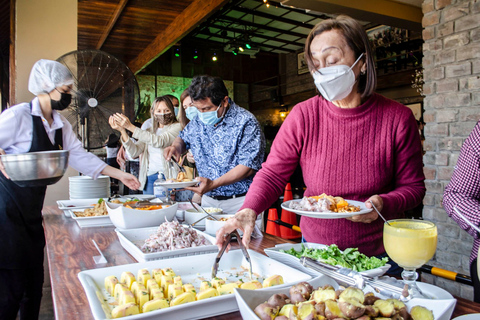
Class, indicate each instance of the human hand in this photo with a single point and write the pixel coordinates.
(2, 167)
(204, 186)
(371, 216)
(243, 220)
(123, 121)
(114, 124)
(170, 152)
(129, 180)
(121, 157)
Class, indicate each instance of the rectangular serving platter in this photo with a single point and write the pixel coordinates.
(192, 269)
(132, 239)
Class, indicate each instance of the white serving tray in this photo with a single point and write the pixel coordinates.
(442, 307)
(294, 262)
(192, 269)
(90, 222)
(132, 239)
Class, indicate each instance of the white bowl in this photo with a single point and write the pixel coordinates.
(126, 218)
(211, 226)
(192, 215)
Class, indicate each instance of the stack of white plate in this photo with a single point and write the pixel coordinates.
(84, 187)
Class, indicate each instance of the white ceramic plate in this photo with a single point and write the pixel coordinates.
(473, 316)
(89, 222)
(192, 269)
(177, 185)
(294, 262)
(132, 240)
(442, 307)
(328, 214)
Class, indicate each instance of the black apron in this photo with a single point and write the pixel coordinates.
(22, 238)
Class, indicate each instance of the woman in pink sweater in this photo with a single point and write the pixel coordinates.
(349, 141)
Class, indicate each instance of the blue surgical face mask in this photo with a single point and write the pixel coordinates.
(210, 118)
(191, 112)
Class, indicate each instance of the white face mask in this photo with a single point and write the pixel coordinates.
(336, 82)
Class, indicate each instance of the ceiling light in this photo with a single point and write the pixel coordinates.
(195, 54)
(214, 57)
(268, 5)
(241, 49)
(177, 52)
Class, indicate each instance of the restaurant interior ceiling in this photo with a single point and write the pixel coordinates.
(139, 31)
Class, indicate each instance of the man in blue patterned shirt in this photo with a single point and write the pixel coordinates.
(226, 141)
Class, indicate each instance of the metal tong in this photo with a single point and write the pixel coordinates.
(395, 290)
(227, 241)
(182, 169)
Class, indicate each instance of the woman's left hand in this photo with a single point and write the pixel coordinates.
(371, 216)
(204, 186)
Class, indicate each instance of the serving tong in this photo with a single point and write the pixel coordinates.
(392, 289)
(172, 160)
(229, 237)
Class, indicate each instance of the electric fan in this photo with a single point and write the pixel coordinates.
(103, 85)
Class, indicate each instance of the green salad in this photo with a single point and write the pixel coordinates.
(350, 258)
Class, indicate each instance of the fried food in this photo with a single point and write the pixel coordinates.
(324, 203)
(98, 209)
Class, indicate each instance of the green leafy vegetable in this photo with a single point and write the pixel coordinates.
(349, 258)
(100, 200)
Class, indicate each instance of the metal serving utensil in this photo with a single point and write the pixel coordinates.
(371, 202)
(182, 169)
(396, 290)
(227, 241)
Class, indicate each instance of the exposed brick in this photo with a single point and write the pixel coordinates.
(438, 73)
(451, 286)
(457, 99)
(429, 116)
(428, 6)
(445, 29)
(447, 85)
(436, 101)
(475, 98)
(429, 159)
(441, 159)
(431, 46)
(456, 40)
(445, 173)
(428, 88)
(437, 130)
(455, 12)
(429, 145)
(471, 51)
(429, 199)
(457, 70)
(431, 19)
(467, 23)
(475, 35)
(443, 57)
(469, 114)
(429, 172)
(476, 7)
(466, 292)
(448, 115)
(429, 59)
(476, 66)
(428, 33)
(453, 159)
(429, 213)
(434, 187)
(442, 4)
(452, 144)
(461, 129)
(473, 83)
(446, 229)
(439, 200)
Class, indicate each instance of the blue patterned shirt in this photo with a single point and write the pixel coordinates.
(237, 139)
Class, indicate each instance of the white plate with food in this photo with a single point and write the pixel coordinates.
(294, 262)
(442, 306)
(132, 241)
(193, 270)
(68, 205)
(92, 217)
(327, 214)
(178, 185)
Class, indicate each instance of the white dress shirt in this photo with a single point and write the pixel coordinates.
(16, 128)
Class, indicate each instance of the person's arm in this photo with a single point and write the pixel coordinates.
(176, 150)
(238, 173)
(128, 179)
(463, 191)
(163, 140)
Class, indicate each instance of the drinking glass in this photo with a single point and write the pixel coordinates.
(410, 243)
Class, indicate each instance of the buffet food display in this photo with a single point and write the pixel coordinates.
(324, 203)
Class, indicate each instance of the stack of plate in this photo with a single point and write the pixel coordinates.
(84, 187)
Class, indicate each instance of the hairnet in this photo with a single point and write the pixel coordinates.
(47, 75)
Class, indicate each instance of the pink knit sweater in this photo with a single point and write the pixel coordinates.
(353, 153)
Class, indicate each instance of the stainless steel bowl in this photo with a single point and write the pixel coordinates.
(35, 169)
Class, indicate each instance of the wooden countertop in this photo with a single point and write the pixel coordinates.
(70, 250)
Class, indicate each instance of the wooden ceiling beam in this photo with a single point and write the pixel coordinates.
(385, 12)
(116, 14)
(262, 27)
(185, 22)
(276, 18)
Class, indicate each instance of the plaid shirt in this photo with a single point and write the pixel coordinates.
(463, 191)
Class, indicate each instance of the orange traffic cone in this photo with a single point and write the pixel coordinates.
(288, 217)
(272, 227)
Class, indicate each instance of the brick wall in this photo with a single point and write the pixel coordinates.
(452, 108)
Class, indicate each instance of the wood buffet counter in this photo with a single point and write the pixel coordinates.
(70, 250)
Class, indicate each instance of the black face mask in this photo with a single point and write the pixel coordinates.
(63, 103)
